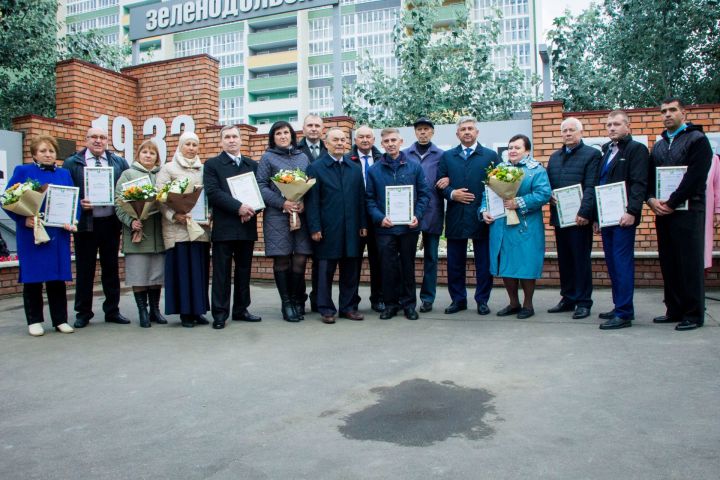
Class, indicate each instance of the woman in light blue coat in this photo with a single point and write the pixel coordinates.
(517, 251)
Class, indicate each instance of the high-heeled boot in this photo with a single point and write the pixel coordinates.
(282, 281)
(141, 300)
(298, 294)
(154, 301)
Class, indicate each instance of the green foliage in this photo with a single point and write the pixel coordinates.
(442, 74)
(29, 50)
(626, 54)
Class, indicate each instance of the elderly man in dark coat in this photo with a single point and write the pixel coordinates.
(234, 231)
(335, 210)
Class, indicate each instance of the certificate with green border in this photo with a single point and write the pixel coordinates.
(568, 201)
(399, 206)
(200, 212)
(611, 203)
(245, 189)
(667, 180)
(61, 204)
(99, 186)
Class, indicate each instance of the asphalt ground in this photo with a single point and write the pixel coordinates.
(444, 397)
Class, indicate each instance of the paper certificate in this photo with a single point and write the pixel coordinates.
(245, 189)
(399, 204)
(495, 204)
(611, 203)
(138, 182)
(99, 186)
(61, 205)
(568, 204)
(200, 212)
(667, 180)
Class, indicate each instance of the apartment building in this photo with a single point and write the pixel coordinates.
(280, 67)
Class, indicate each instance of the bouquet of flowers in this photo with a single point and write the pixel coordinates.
(138, 201)
(181, 197)
(505, 180)
(293, 184)
(25, 199)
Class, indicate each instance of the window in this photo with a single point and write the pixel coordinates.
(321, 100)
(321, 70)
(94, 23)
(231, 110)
(76, 7)
(229, 82)
(320, 36)
(226, 47)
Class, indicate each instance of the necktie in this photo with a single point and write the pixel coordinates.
(366, 165)
(97, 161)
(314, 151)
(468, 151)
(237, 161)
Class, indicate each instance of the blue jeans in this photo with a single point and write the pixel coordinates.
(428, 288)
(619, 247)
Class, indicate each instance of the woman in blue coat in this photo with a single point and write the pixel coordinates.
(517, 251)
(48, 262)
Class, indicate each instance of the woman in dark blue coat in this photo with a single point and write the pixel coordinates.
(48, 262)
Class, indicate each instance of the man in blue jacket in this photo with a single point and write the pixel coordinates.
(98, 231)
(335, 209)
(428, 155)
(462, 176)
(397, 244)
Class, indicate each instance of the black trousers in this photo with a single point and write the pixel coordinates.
(348, 285)
(573, 246)
(223, 254)
(681, 237)
(105, 238)
(373, 256)
(57, 301)
(397, 255)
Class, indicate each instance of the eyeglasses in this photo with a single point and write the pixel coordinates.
(97, 137)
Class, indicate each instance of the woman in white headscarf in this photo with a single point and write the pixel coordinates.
(187, 263)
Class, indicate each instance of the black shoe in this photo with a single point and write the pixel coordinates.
(119, 319)
(388, 313)
(378, 306)
(615, 323)
(483, 309)
(426, 307)
(581, 312)
(81, 322)
(187, 321)
(455, 307)
(201, 320)
(664, 319)
(607, 315)
(411, 314)
(218, 324)
(686, 325)
(509, 310)
(562, 306)
(246, 317)
(525, 313)
(154, 302)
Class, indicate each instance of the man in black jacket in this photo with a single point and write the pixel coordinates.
(98, 230)
(680, 228)
(623, 160)
(234, 231)
(575, 163)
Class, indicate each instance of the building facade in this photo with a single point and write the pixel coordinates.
(280, 67)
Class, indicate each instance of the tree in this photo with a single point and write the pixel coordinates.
(634, 53)
(29, 50)
(442, 74)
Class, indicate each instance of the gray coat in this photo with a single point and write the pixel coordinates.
(279, 241)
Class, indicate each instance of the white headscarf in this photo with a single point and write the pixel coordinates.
(178, 157)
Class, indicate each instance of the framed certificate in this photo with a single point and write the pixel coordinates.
(399, 206)
(245, 189)
(667, 180)
(568, 204)
(138, 182)
(99, 186)
(611, 203)
(61, 204)
(495, 204)
(200, 212)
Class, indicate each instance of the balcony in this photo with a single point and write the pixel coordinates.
(274, 60)
(285, 37)
(272, 107)
(278, 83)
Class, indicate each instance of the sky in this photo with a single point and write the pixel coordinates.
(555, 8)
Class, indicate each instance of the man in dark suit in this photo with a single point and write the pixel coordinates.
(365, 154)
(624, 160)
(234, 231)
(461, 174)
(575, 163)
(98, 230)
(681, 232)
(335, 210)
(313, 147)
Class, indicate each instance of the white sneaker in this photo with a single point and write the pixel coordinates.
(36, 329)
(64, 328)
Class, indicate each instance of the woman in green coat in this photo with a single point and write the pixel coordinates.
(144, 260)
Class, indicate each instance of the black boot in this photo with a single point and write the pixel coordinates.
(298, 294)
(282, 280)
(141, 300)
(187, 321)
(154, 301)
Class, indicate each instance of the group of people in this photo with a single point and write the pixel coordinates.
(346, 211)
